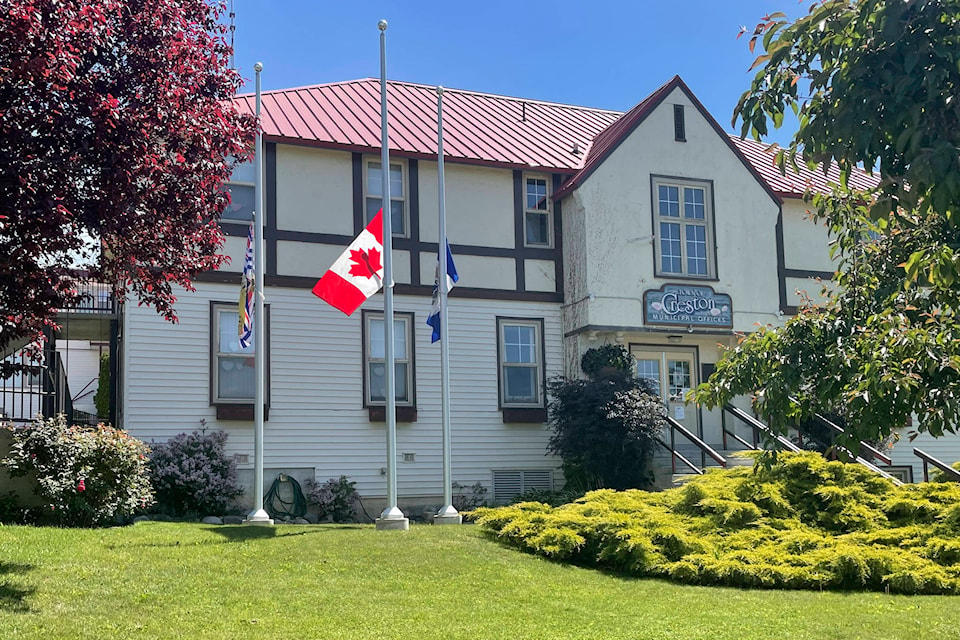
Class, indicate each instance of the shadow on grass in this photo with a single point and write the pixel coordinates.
(238, 533)
(12, 596)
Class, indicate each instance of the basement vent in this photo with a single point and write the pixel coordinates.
(679, 126)
(507, 485)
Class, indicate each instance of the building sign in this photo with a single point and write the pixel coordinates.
(685, 306)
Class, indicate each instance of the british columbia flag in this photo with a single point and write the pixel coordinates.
(245, 324)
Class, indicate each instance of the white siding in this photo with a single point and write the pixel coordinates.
(317, 417)
(945, 448)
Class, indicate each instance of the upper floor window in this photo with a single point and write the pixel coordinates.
(375, 358)
(242, 194)
(684, 228)
(374, 196)
(232, 375)
(521, 362)
(536, 217)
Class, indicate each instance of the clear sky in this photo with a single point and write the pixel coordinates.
(597, 53)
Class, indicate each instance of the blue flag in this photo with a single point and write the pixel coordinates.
(434, 318)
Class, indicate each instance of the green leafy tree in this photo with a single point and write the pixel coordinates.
(874, 84)
(605, 427)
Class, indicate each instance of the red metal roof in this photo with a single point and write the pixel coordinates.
(490, 129)
(793, 185)
(477, 127)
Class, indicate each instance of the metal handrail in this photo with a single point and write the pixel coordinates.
(676, 454)
(952, 473)
(759, 426)
(692, 437)
(823, 420)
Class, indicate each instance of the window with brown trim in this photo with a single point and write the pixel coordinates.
(374, 364)
(374, 195)
(231, 366)
(537, 223)
(242, 189)
(683, 223)
(520, 357)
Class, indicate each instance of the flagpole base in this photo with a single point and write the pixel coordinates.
(455, 519)
(392, 519)
(259, 517)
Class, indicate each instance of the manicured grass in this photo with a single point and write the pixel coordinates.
(186, 581)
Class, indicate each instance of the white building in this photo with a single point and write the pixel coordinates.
(571, 227)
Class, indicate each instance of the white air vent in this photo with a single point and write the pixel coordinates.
(507, 485)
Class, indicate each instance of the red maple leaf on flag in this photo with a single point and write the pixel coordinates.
(365, 263)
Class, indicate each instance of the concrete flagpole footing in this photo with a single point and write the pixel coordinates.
(393, 524)
(448, 515)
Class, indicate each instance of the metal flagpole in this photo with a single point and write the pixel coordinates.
(258, 515)
(391, 517)
(448, 514)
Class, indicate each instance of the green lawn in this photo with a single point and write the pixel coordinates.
(186, 581)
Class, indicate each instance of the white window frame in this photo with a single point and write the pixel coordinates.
(547, 213)
(215, 354)
(537, 365)
(409, 361)
(242, 183)
(707, 222)
(368, 215)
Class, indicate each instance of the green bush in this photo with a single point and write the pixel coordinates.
(86, 476)
(800, 522)
(336, 499)
(193, 475)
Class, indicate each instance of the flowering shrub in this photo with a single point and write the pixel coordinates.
(192, 474)
(336, 498)
(86, 476)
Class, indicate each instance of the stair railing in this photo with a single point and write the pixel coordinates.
(789, 446)
(757, 428)
(692, 437)
(928, 459)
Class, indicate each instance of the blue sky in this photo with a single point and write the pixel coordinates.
(597, 53)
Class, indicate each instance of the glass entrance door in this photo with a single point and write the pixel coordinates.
(672, 373)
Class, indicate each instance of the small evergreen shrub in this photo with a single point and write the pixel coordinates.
(101, 400)
(799, 522)
(192, 475)
(336, 499)
(546, 496)
(86, 476)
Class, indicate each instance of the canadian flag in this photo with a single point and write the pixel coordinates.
(358, 272)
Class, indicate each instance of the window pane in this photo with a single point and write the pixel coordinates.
(229, 339)
(693, 206)
(399, 339)
(374, 180)
(536, 194)
(246, 172)
(235, 377)
(241, 202)
(650, 370)
(669, 201)
(679, 372)
(396, 217)
(376, 339)
(378, 383)
(521, 384)
(537, 226)
(520, 344)
(697, 250)
(373, 205)
(396, 181)
(670, 258)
